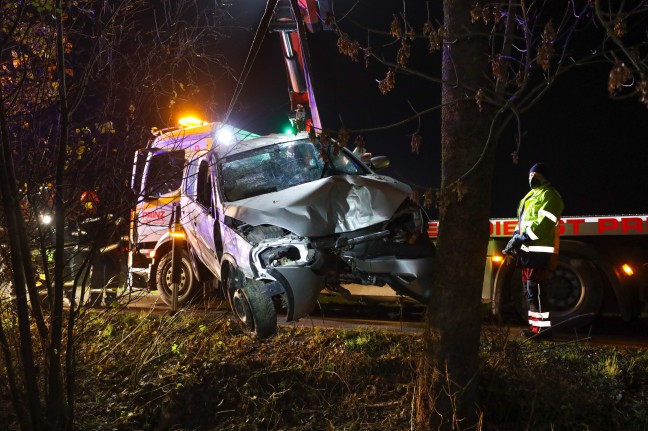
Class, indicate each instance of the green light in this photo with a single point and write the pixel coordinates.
(289, 131)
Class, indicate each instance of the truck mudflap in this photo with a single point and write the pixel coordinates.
(411, 277)
(302, 287)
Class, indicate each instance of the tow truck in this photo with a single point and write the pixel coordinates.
(158, 171)
(602, 269)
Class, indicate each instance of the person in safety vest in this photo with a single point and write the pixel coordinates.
(90, 201)
(535, 243)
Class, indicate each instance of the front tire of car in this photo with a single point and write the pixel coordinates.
(253, 309)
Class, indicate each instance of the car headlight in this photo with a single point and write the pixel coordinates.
(408, 222)
(281, 255)
(267, 256)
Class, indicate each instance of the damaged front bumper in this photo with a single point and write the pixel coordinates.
(297, 268)
(301, 286)
(299, 273)
(411, 277)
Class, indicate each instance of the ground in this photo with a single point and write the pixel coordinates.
(140, 371)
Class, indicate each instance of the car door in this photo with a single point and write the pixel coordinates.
(158, 191)
(204, 224)
(190, 207)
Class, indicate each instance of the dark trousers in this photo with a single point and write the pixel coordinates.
(532, 281)
(532, 278)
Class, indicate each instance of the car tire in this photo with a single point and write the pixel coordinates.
(188, 288)
(253, 309)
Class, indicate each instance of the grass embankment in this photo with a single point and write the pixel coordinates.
(143, 372)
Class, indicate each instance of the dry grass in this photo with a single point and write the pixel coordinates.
(189, 372)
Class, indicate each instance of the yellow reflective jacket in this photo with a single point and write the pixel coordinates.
(539, 215)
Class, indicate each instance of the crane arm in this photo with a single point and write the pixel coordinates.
(291, 19)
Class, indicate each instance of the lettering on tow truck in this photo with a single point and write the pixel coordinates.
(571, 226)
(154, 215)
(502, 227)
(625, 224)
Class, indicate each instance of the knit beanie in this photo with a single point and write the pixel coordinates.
(540, 168)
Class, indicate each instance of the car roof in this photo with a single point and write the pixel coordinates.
(198, 137)
(224, 150)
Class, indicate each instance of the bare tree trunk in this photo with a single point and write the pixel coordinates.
(447, 370)
(56, 398)
(16, 395)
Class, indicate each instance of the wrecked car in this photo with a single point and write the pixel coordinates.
(278, 219)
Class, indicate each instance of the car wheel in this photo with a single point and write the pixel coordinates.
(188, 288)
(253, 309)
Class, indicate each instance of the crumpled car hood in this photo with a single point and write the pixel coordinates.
(337, 204)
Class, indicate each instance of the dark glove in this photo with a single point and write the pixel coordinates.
(515, 243)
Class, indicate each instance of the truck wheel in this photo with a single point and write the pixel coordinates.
(188, 288)
(253, 309)
(573, 293)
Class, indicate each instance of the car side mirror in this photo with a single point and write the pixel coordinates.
(379, 162)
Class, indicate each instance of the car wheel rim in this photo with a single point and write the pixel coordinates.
(183, 280)
(242, 308)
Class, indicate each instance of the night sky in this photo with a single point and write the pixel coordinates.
(596, 148)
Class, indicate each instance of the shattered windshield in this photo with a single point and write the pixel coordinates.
(280, 166)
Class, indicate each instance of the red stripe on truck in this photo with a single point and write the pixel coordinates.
(571, 226)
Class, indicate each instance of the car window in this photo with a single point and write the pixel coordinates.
(204, 185)
(343, 163)
(165, 173)
(190, 181)
(280, 166)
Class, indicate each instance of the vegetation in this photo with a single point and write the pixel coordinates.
(138, 371)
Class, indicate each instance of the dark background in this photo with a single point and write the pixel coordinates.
(596, 148)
